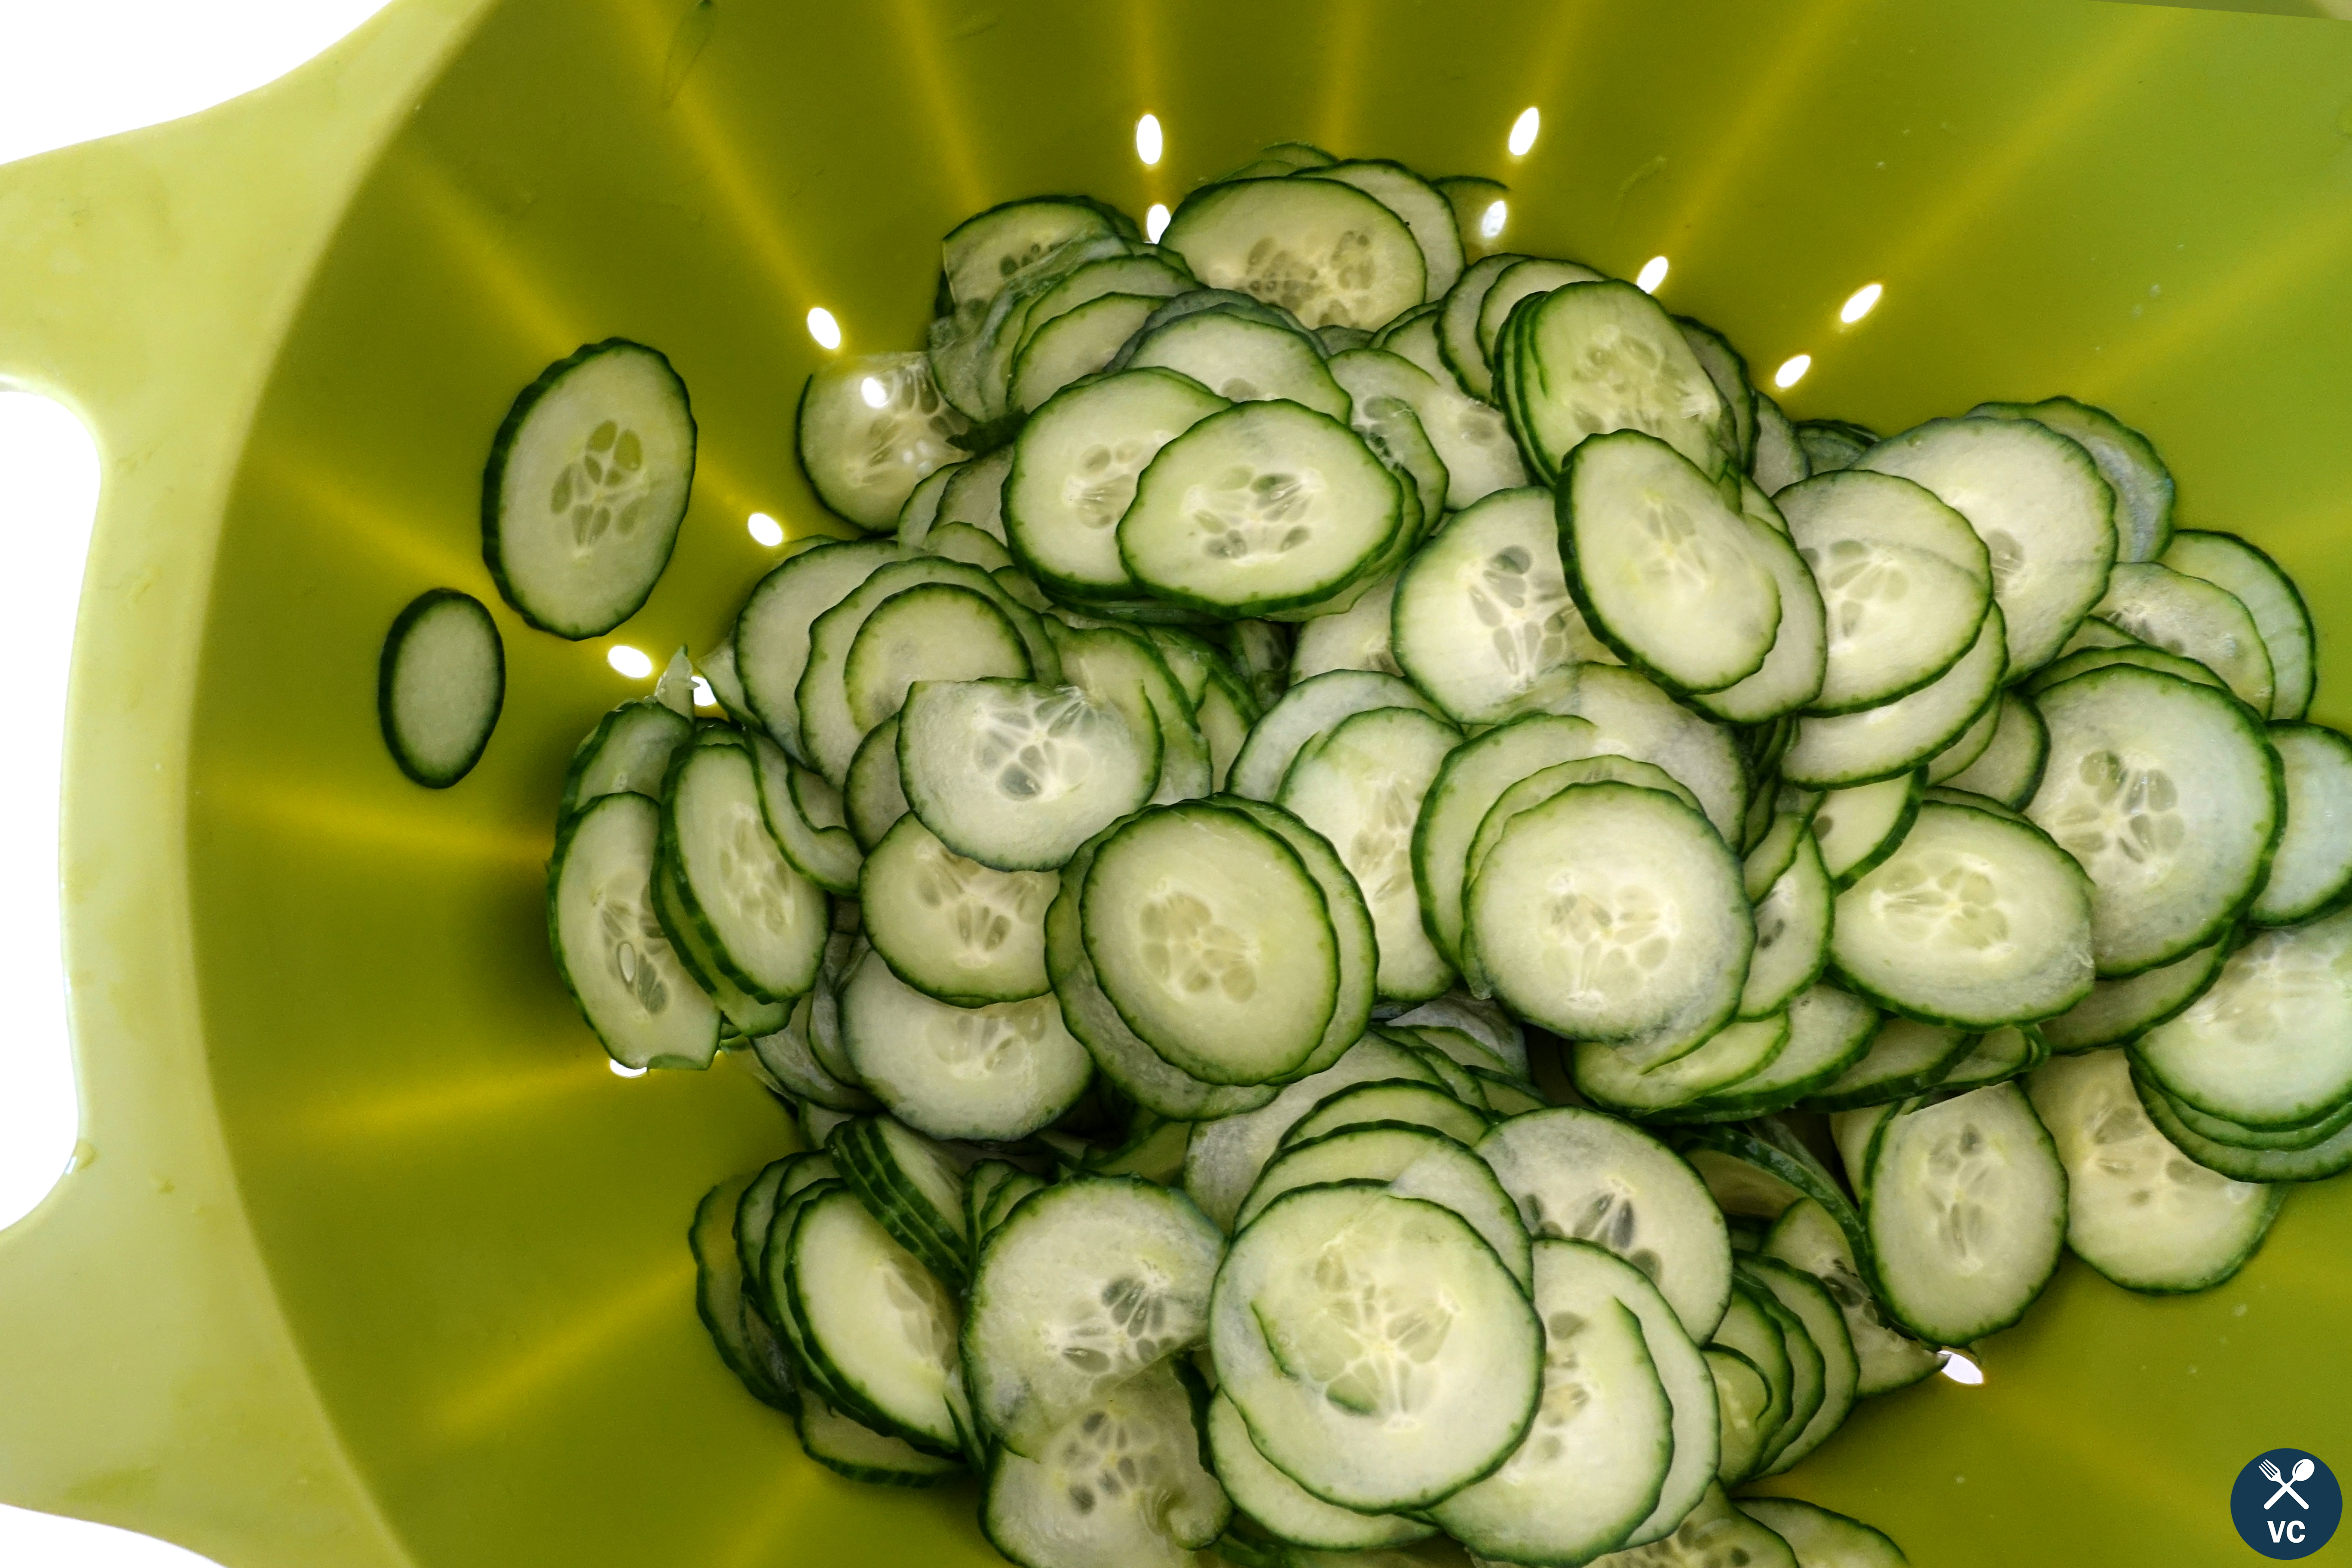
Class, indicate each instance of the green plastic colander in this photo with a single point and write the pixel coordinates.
(367, 1261)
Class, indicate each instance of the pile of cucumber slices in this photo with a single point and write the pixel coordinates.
(1393, 910)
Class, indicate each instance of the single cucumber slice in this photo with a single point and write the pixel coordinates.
(1185, 911)
(849, 1448)
(1484, 609)
(1590, 1467)
(1521, 280)
(771, 635)
(954, 927)
(874, 1317)
(1425, 211)
(1352, 929)
(2139, 1211)
(1413, 336)
(764, 924)
(1321, 1304)
(1017, 777)
(1743, 1400)
(2270, 595)
(1610, 1078)
(1580, 1175)
(868, 429)
(609, 945)
(1906, 1057)
(1880, 743)
(1956, 758)
(2008, 769)
(1124, 1485)
(1355, 638)
(2169, 796)
(1728, 371)
(1310, 708)
(974, 495)
(934, 631)
(1286, 1510)
(1792, 935)
(1155, 277)
(981, 252)
(1240, 358)
(1074, 468)
(1603, 357)
(1267, 506)
(2119, 1011)
(2269, 1044)
(1473, 439)
(1860, 826)
(629, 749)
(1967, 1213)
(1638, 720)
(1403, 1101)
(1362, 790)
(1612, 913)
(805, 814)
(1225, 1156)
(2311, 872)
(1779, 460)
(2191, 618)
(1327, 252)
(1829, 1031)
(1473, 777)
(439, 686)
(1122, 670)
(1975, 920)
(1416, 1163)
(1807, 1239)
(2142, 485)
(1077, 345)
(1790, 675)
(1998, 1056)
(875, 797)
(994, 1073)
(2039, 504)
(1665, 573)
(585, 486)
(1095, 1279)
(1821, 1539)
(1457, 324)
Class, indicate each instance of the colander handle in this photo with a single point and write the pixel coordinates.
(147, 1378)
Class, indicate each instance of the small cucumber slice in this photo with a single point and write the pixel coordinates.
(439, 686)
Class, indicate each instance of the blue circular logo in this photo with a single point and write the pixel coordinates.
(2286, 1503)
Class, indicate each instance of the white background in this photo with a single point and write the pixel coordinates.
(70, 71)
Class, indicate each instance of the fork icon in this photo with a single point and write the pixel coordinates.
(2301, 1472)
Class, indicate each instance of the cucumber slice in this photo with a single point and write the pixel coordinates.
(994, 1073)
(1743, 1399)
(2139, 1211)
(1239, 357)
(1858, 828)
(1829, 1032)
(981, 252)
(609, 945)
(1327, 252)
(1665, 573)
(1736, 1052)
(2142, 485)
(1457, 324)
(771, 635)
(1998, 1056)
(1484, 610)
(1612, 912)
(1805, 1237)
(2083, 660)
(1095, 1279)
(2118, 1011)
(587, 481)
(1415, 1162)
(1790, 675)
(1017, 777)
(1225, 1156)
(1590, 1467)
(1580, 1175)
(1286, 1510)
(911, 1187)
(1521, 280)
(1326, 1326)
(718, 1297)
(878, 1320)
(763, 923)
(1792, 934)
(2311, 872)
(1879, 742)
(954, 927)
(1752, 1329)
(2191, 618)
(1413, 336)
(934, 631)
(1606, 357)
(804, 813)
(2310, 1163)
(1355, 638)
(1074, 473)
(1831, 445)
(1425, 212)
(1824, 1326)
(1906, 1057)
(439, 686)
(2270, 595)
(1967, 1211)
(1714, 1535)
(1120, 668)
(629, 750)
(850, 1448)
(1403, 1101)
(875, 797)
(920, 510)
(1352, 927)
(1779, 460)
(2039, 504)
(2269, 1044)
(1123, 1485)
(1077, 345)
(1362, 790)
(1153, 277)
(1264, 507)
(1472, 778)
(1472, 439)
(1184, 911)
(868, 429)
(2008, 769)
(790, 1059)
(2169, 796)
(1639, 721)
(1955, 758)
(1821, 1539)
(974, 496)
(1728, 371)
(1310, 708)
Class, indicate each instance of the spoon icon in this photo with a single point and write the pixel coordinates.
(2286, 1484)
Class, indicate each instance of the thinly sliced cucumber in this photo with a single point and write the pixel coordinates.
(1327, 252)
(805, 814)
(1806, 1237)
(439, 686)
(1413, 336)
(586, 484)
(2039, 504)
(2139, 1211)
(1321, 1306)
(1484, 610)
(1829, 1031)
(610, 948)
(1639, 721)
(994, 1073)
(981, 252)
(2239, 1161)
(1906, 1057)
(1605, 356)
(849, 1448)
(2084, 660)
(875, 797)
(2269, 1044)
(771, 635)
(2191, 618)
(1356, 638)
(1214, 941)
(1975, 920)
(1264, 507)
(1120, 668)
(1792, 934)
(1790, 675)
(1998, 1056)
(1486, 1024)
(1858, 828)
(1077, 345)
(912, 1188)
(1310, 708)
(763, 923)
(719, 1297)
(1017, 777)
(1074, 472)
(2008, 769)
(1404, 1101)
(2119, 1011)
(1362, 790)
(1240, 358)
(629, 749)
(1824, 1325)
(1592, 1467)
(1124, 1485)
(1728, 371)
(2311, 873)
(1425, 211)
(2170, 797)
(1779, 460)
(1226, 1156)
(1154, 277)
(1851, 749)
(1967, 1213)
(1820, 1538)
(1352, 929)
(1286, 1509)
(954, 927)
(934, 631)
(874, 1317)
(1612, 913)
(1457, 324)
(2270, 595)
(1472, 439)
(1580, 1175)
(1521, 280)
(1664, 571)
(869, 429)
(2142, 485)
(1610, 1078)
(1742, 1401)
(1096, 1279)
(1752, 1329)
(1416, 1163)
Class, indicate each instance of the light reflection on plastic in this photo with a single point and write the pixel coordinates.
(619, 1070)
(634, 663)
(703, 696)
(1155, 223)
(1524, 131)
(1793, 371)
(1864, 299)
(1960, 1369)
(876, 395)
(824, 328)
(1147, 138)
(766, 529)
(1491, 221)
(1653, 272)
